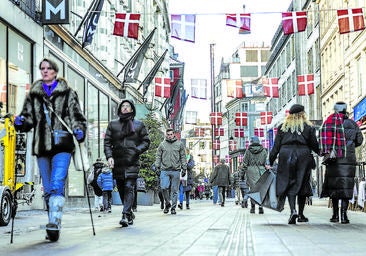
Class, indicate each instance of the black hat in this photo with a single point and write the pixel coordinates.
(296, 108)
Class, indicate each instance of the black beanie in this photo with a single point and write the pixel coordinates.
(296, 108)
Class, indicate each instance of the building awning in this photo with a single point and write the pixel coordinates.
(359, 110)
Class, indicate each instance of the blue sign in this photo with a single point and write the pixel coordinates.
(359, 110)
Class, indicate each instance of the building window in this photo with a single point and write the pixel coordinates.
(248, 71)
(251, 56)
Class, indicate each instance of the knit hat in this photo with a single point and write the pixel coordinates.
(340, 107)
(255, 140)
(296, 108)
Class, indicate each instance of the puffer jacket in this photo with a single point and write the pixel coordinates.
(220, 176)
(125, 150)
(105, 180)
(339, 177)
(65, 103)
(171, 155)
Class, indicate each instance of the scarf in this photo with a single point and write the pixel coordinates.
(48, 88)
(332, 135)
(127, 124)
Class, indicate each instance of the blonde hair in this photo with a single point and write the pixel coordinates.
(295, 122)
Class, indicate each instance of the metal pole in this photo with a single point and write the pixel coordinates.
(212, 99)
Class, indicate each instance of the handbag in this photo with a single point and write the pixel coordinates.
(330, 158)
(141, 185)
(61, 140)
(80, 156)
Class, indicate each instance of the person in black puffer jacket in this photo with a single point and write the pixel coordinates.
(339, 176)
(125, 140)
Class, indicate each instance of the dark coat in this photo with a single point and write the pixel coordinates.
(65, 103)
(294, 160)
(220, 176)
(190, 178)
(339, 177)
(125, 150)
(254, 163)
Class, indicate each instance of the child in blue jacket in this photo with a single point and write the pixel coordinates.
(106, 183)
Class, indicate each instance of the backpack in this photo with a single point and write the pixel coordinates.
(93, 177)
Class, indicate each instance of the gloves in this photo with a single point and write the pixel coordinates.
(79, 134)
(184, 172)
(19, 120)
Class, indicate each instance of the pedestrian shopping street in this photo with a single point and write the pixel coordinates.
(205, 229)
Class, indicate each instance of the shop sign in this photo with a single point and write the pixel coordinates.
(55, 12)
(359, 110)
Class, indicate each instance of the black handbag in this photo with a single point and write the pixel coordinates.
(141, 185)
(61, 140)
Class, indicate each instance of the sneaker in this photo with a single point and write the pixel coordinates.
(124, 221)
(172, 211)
(180, 206)
(260, 210)
(252, 210)
(187, 206)
(134, 209)
(167, 207)
(130, 218)
(101, 209)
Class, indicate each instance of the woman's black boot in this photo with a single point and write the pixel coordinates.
(335, 216)
(344, 207)
(301, 202)
(294, 215)
(252, 208)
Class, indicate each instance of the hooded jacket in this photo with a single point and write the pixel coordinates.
(126, 148)
(65, 103)
(171, 155)
(105, 179)
(254, 163)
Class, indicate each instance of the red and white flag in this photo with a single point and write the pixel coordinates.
(259, 132)
(183, 27)
(127, 25)
(239, 132)
(350, 20)
(200, 132)
(240, 158)
(266, 117)
(265, 143)
(219, 132)
(162, 87)
(232, 145)
(305, 84)
(235, 88)
(227, 159)
(241, 118)
(239, 20)
(293, 22)
(270, 86)
(247, 143)
(216, 118)
(216, 144)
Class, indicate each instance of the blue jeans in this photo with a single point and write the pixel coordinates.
(170, 178)
(215, 194)
(53, 170)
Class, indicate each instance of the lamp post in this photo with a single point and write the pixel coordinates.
(212, 69)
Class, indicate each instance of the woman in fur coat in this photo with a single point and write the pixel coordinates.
(53, 159)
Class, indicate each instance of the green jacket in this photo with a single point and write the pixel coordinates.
(171, 155)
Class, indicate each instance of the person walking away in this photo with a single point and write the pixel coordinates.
(293, 144)
(53, 158)
(125, 140)
(185, 190)
(170, 161)
(254, 165)
(221, 178)
(341, 134)
(105, 182)
(235, 181)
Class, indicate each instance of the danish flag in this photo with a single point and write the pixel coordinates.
(241, 118)
(239, 132)
(240, 158)
(270, 86)
(127, 25)
(239, 20)
(350, 20)
(293, 22)
(200, 132)
(216, 144)
(162, 87)
(232, 145)
(259, 132)
(305, 84)
(227, 159)
(216, 118)
(266, 117)
(219, 131)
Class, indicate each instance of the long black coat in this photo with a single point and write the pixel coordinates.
(294, 160)
(125, 150)
(64, 102)
(339, 177)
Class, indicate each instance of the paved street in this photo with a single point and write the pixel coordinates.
(205, 229)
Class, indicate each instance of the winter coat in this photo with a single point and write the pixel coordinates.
(339, 176)
(236, 178)
(190, 180)
(220, 176)
(171, 155)
(254, 163)
(64, 101)
(105, 180)
(294, 160)
(125, 150)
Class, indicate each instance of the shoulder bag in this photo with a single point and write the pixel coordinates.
(80, 155)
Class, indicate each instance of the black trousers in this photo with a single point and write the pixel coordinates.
(126, 189)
